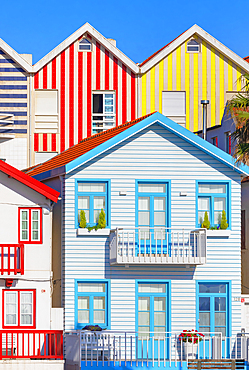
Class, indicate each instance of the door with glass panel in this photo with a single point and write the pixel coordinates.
(213, 319)
(152, 220)
(153, 320)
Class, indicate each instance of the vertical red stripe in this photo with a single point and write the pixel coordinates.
(107, 71)
(45, 142)
(36, 81)
(53, 142)
(80, 96)
(54, 73)
(97, 66)
(62, 123)
(124, 91)
(115, 84)
(89, 94)
(133, 96)
(45, 77)
(71, 95)
(36, 142)
(230, 144)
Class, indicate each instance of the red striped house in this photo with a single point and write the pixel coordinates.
(83, 86)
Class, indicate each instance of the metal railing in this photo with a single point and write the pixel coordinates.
(158, 246)
(114, 348)
(11, 259)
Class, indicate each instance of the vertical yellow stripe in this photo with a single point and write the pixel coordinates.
(187, 85)
(161, 70)
(152, 89)
(238, 78)
(212, 87)
(178, 68)
(170, 72)
(144, 95)
(196, 105)
(204, 70)
(222, 106)
(230, 75)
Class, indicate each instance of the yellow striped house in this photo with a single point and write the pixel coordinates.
(193, 67)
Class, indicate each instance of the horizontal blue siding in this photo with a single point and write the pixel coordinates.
(13, 105)
(13, 78)
(13, 87)
(6, 61)
(21, 122)
(11, 70)
(16, 113)
(14, 131)
(13, 96)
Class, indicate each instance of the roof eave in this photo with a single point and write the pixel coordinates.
(56, 172)
(15, 56)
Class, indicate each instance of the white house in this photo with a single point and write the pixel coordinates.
(29, 327)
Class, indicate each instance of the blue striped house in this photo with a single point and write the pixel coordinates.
(15, 107)
(153, 268)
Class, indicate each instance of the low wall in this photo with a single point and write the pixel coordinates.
(19, 364)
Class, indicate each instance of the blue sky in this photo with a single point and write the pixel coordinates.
(140, 27)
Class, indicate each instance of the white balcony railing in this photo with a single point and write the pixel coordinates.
(158, 246)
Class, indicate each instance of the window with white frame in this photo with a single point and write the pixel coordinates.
(174, 105)
(46, 110)
(19, 308)
(85, 45)
(103, 111)
(91, 304)
(193, 46)
(30, 225)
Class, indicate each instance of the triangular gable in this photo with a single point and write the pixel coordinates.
(166, 50)
(15, 56)
(29, 181)
(86, 28)
(128, 131)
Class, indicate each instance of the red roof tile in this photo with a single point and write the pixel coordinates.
(158, 51)
(246, 59)
(81, 148)
(28, 181)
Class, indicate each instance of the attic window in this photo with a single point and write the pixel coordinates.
(193, 46)
(85, 45)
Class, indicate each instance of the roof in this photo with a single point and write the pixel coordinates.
(158, 51)
(81, 148)
(86, 28)
(15, 56)
(29, 181)
(194, 30)
(96, 145)
(246, 58)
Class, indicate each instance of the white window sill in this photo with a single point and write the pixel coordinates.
(92, 232)
(219, 233)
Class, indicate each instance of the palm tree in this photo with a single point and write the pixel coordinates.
(238, 106)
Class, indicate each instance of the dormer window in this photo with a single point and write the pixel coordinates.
(85, 45)
(193, 46)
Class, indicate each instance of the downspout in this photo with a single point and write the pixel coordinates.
(51, 256)
(204, 130)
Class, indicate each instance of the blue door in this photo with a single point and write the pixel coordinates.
(153, 320)
(213, 316)
(152, 218)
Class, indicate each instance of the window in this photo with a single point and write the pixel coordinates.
(30, 225)
(174, 105)
(193, 46)
(92, 303)
(228, 145)
(153, 310)
(46, 110)
(103, 114)
(91, 198)
(213, 313)
(85, 45)
(215, 141)
(213, 198)
(19, 308)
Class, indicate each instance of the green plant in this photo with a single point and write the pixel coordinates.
(206, 222)
(102, 220)
(82, 219)
(223, 222)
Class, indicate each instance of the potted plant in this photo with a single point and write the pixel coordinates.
(189, 340)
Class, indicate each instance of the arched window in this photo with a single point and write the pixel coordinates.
(85, 45)
(193, 46)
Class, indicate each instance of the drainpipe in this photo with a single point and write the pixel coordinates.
(204, 131)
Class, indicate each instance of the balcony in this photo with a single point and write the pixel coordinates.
(11, 259)
(158, 246)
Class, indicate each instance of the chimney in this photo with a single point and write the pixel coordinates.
(204, 130)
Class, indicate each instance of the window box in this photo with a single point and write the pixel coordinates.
(86, 232)
(218, 233)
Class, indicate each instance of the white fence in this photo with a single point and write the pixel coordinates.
(130, 348)
(158, 246)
